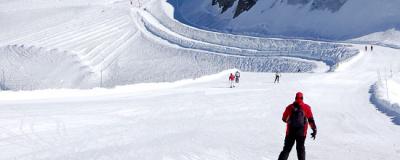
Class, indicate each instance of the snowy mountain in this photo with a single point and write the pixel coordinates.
(148, 79)
(115, 43)
(311, 19)
(245, 5)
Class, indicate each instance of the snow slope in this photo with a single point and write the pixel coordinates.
(203, 119)
(114, 43)
(105, 43)
(389, 38)
(30, 67)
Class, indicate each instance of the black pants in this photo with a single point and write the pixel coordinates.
(289, 142)
(276, 79)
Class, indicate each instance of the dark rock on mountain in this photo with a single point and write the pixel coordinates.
(332, 5)
(245, 5)
(296, 2)
(224, 4)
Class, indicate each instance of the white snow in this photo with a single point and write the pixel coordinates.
(202, 119)
(187, 112)
(389, 38)
(111, 43)
(102, 92)
(386, 95)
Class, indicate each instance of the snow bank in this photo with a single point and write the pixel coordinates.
(29, 67)
(386, 96)
(160, 23)
(159, 61)
(103, 92)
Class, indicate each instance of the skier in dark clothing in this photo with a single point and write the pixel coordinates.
(237, 76)
(277, 76)
(366, 48)
(297, 116)
(372, 48)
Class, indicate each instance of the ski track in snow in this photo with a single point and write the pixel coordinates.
(184, 120)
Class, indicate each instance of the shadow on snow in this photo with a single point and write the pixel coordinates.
(385, 106)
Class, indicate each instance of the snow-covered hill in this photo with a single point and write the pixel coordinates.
(112, 43)
(313, 19)
(389, 38)
(57, 47)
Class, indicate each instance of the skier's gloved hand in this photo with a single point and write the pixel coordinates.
(314, 133)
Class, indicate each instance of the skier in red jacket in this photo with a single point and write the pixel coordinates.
(232, 80)
(297, 117)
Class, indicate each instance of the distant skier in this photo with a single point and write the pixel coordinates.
(232, 80)
(237, 76)
(277, 76)
(372, 48)
(297, 117)
(366, 48)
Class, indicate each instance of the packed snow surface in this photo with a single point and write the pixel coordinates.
(203, 118)
(111, 43)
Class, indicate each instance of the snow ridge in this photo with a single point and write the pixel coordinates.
(385, 97)
(163, 25)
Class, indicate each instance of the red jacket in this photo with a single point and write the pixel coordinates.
(307, 111)
(232, 77)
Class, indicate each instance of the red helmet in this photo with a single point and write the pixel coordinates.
(299, 97)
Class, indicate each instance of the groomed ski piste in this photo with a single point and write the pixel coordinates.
(189, 113)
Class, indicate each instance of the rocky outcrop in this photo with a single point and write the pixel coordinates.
(224, 4)
(332, 5)
(245, 5)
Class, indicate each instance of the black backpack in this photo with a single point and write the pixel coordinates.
(297, 119)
